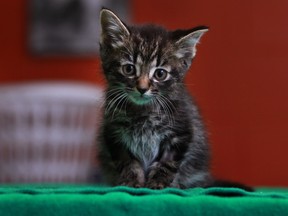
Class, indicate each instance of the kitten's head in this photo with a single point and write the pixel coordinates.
(147, 62)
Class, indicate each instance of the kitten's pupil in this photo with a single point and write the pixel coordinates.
(129, 70)
(160, 74)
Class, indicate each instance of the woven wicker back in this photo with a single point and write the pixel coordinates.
(47, 132)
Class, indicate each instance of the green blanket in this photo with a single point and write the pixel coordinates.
(91, 200)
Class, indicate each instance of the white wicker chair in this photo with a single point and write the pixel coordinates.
(47, 132)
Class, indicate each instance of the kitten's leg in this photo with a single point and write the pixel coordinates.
(161, 174)
(131, 174)
(190, 170)
(188, 177)
(118, 168)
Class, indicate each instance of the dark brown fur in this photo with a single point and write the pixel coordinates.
(152, 134)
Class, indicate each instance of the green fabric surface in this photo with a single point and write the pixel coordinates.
(94, 200)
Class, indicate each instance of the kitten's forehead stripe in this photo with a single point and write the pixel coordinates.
(135, 55)
(154, 53)
(158, 59)
(154, 63)
(145, 46)
(164, 62)
(139, 59)
(139, 64)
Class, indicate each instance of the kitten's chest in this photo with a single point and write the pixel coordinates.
(143, 137)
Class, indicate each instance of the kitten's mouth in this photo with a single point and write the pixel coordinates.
(139, 99)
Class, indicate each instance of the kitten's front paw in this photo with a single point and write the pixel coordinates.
(132, 175)
(160, 175)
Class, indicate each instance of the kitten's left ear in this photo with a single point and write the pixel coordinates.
(114, 31)
(188, 41)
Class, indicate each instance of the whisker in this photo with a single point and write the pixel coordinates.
(162, 101)
(154, 105)
(110, 93)
(113, 94)
(125, 105)
(121, 98)
(168, 101)
(112, 102)
(165, 110)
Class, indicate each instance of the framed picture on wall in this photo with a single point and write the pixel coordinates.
(68, 27)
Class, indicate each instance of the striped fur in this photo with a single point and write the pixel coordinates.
(152, 134)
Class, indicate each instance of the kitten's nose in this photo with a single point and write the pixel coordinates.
(143, 84)
(142, 90)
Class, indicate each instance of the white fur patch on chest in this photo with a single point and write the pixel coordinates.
(143, 142)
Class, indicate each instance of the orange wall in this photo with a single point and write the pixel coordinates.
(239, 76)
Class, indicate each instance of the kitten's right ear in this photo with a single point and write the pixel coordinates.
(114, 31)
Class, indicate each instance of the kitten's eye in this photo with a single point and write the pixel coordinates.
(160, 74)
(129, 70)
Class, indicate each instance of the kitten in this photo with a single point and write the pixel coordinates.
(152, 134)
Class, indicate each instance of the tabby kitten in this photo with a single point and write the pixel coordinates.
(152, 134)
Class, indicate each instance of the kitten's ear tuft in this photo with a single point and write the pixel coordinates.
(188, 41)
(114, 31)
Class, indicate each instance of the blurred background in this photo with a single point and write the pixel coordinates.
(239, 76)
